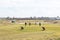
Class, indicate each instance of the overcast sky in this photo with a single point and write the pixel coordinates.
(27, 8)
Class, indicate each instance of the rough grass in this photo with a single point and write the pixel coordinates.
(33, 32)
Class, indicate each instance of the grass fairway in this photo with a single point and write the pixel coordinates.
(33, 32)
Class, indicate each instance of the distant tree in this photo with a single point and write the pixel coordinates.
(8, 18)
(13, 18)
(57, 16)
(13, 21)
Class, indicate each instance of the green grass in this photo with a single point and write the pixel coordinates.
(33, 32)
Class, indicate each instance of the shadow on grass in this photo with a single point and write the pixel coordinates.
(58, 39)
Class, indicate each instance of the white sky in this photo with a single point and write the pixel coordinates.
(27, 8)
